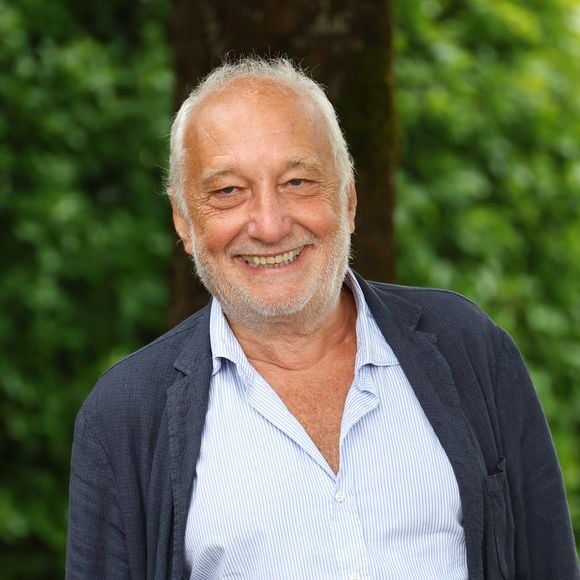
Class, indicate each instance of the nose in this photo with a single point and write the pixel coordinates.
(269, 219)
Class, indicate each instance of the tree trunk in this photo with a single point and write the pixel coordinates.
(347, 46)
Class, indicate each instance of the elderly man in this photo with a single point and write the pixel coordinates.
(307, 423)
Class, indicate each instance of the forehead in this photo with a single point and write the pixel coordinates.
(259, 98)
(255, 112)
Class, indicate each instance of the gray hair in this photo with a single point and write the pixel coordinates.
(279, 70)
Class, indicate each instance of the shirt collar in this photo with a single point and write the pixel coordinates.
(372, 348)
(224, 344)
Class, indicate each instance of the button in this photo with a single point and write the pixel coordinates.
(355, 576)
(339, 497)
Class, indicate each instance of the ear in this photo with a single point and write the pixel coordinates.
(351, 196)
(180, 222)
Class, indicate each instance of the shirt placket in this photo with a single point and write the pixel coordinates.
(351, 550)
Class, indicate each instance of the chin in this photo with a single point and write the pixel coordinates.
(303, 312)
(252, 310)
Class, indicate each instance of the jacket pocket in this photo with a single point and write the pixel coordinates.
(496, 485)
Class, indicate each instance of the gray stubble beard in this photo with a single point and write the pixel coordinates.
(306, 313)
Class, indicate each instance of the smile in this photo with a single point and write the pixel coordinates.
(273, 261)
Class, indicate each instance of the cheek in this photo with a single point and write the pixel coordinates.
(321, 214)
(216, 231)
(325, 220)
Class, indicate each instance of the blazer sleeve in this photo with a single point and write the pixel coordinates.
(96, 546)
(544, 544)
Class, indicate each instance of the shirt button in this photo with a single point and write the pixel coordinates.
(339, 497)
(355, 576)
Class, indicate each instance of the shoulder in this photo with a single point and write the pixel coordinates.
(463, 332)
(137, 385)
(435, 309)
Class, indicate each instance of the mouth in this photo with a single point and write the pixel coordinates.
(275, 261)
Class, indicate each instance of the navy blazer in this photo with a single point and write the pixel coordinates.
(138, 435)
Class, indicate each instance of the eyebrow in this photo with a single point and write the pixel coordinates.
(306, 163)
(212, 175)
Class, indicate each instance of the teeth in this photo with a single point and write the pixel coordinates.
(273, 261)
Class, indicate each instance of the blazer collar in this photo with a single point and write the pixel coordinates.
(196, 345)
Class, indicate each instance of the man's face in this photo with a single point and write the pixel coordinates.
(268, 228)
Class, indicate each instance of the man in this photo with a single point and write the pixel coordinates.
(307, 424)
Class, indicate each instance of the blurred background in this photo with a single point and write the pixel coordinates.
(464, 119)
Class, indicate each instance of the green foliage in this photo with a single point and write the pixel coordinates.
(489, 187)
(85, 239)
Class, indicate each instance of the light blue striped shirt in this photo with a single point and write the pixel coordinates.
(266, 505)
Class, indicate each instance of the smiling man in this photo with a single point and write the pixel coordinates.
(307, 423)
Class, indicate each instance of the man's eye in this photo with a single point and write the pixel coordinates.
(296, 182)
(229, 189)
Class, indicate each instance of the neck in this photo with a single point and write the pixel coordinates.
(293, 344)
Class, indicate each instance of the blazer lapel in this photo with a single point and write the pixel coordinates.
(432, 381)
(187, 402)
